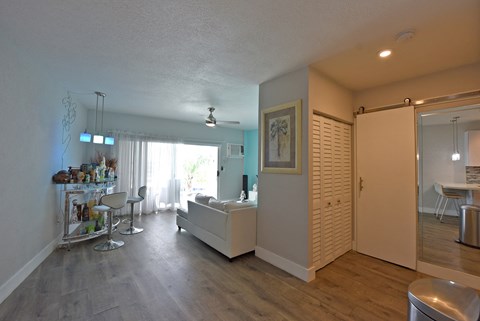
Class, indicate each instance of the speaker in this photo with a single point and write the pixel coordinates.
(245, 185)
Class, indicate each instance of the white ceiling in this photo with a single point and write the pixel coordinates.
(175, 58)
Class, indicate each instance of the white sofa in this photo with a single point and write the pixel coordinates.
(228, 227)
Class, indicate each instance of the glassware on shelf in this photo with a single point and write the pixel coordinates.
(74, 217)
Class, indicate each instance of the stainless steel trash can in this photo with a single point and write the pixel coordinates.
(469, 225)
(442, 300)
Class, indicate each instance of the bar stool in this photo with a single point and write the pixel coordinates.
(109, 203)
(132, 200)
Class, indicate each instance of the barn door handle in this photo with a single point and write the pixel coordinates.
(360, 185)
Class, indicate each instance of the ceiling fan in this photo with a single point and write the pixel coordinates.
(211, 121)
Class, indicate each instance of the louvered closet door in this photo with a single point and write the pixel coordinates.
(316, 178)
(344, 238)
(331, 190)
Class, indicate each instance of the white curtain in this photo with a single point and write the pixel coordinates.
(142, 161)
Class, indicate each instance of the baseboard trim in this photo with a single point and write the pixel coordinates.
(8, 287)
(448, 274)
(305, 274)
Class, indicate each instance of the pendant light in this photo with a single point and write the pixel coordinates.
(98, 137)
(456, 154)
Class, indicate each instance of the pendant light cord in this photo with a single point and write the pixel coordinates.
(96, 112)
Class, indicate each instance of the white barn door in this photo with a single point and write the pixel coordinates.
(386, 185)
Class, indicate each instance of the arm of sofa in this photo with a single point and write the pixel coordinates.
(242, 230)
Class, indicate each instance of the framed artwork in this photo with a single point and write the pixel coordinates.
(281, 139)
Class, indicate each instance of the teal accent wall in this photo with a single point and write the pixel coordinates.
(250, 161)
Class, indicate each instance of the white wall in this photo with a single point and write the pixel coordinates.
(230, 180)
(282, 217)
(30, 152)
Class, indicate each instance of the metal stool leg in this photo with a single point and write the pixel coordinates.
(109, 244)
(132, 229)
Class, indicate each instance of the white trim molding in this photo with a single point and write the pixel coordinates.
(448, 274)
(8, 287)
(303, 273)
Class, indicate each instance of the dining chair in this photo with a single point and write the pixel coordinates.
(444, 197)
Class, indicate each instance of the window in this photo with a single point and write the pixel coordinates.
(173, 173)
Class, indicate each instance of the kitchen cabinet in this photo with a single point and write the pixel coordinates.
(472, 148)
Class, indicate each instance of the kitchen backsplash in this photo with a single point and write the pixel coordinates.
(473, 174)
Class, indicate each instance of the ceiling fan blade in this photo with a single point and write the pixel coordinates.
(228, 122)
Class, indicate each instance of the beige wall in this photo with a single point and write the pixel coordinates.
(328, 97)
(282, 219)
(462, 79)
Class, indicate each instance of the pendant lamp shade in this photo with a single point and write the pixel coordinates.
(98, 137)
(85, 137)
(109, 140)
(455, 154)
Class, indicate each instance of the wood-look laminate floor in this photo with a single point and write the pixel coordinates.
(163, 274)
(438, 245)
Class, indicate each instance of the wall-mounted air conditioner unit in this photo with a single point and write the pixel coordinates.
(234, 150)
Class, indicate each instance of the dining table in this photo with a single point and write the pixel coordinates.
(471, 190)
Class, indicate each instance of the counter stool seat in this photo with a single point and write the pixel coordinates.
(132, 200)
(109, 203)
(101, 208)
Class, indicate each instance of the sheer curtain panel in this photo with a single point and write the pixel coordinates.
(142, 161)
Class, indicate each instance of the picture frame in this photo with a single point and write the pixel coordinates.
(281, 138)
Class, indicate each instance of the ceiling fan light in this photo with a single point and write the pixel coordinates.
(210, 123)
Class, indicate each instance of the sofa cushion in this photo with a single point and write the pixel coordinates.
(202, 199)
(219, 205)
(182, 212)
(237, 205)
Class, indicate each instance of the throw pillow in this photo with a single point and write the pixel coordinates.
(218, 205)
(202, 199)
(235, 206)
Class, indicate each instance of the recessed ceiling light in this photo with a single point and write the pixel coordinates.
(384, 53)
